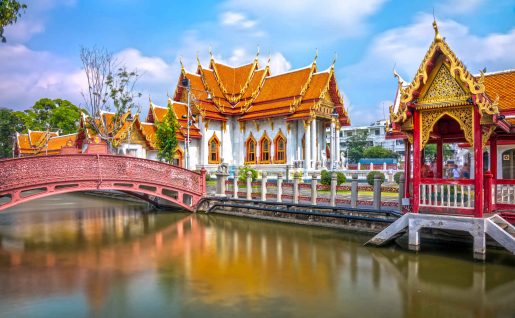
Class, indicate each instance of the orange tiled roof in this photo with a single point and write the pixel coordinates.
(254, 93)
(42, 146)
(502, 84)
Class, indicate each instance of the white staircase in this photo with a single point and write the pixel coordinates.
(496, 227)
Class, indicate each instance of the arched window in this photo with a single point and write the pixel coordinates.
(264, 145)
(250, 156)
(280, 148)
(178, 158)
(214, 150)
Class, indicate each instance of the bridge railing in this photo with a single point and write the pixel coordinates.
(23, 172)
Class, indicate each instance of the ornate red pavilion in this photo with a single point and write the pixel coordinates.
(445, 103)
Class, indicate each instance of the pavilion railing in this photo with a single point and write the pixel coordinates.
(447, 193)
(503, 193)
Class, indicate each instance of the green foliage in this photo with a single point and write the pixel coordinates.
(325, 178)
(10, 11)
(430, 152)
(242, 173)
(379, 152)
(166, 137)
(208, 177)
(51, 114)
(371, 174)
(9, 124)
(397, 177)
(356, 145)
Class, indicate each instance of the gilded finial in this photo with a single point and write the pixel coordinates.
(334, 60)
(211, 53)
(316, 55)
(149, 99)
(438, 37)
(182, 64)
(257, 54)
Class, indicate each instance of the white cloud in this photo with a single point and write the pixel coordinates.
(236, 19)
(460, 6)
(361, 116)
(27, 75)
(33, 20)
(343, 18)
(152, 69)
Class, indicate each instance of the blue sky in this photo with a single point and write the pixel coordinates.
(369, 37)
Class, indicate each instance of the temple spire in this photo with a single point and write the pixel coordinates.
(334, 60)
(438, 37)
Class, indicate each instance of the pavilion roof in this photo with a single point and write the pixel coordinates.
(502, 85)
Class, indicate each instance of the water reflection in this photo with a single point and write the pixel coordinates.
(117, 260)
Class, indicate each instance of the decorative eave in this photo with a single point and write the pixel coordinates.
(297, 100)
(254, 94)
(234, 98)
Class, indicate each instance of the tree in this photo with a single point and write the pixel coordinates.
(166, 136)
(10, 11)
(356, 145)
(110, 88)
(52, 114)
(379, 152)
(430, 152)
(9, 124)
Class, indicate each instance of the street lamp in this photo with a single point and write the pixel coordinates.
(334, 119)
(185, 83)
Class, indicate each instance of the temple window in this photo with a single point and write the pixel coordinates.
(214, 150)
(177, 158)
(251, 150)
(264, 144)
(280, 149)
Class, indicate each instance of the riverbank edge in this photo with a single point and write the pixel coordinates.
(354, 218)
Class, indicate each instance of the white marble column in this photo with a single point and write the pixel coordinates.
(314, 141)
(307, 145)
(202, 142)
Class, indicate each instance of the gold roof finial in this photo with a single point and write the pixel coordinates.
(182, 64)
(149, 99)
(334, 60)
(438, 37)
(211, 53)
(316, 56)
(257, 54)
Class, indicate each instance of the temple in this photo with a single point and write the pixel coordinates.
(445, 103)
(235, 115)
(247, 116)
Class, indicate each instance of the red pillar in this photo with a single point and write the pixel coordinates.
(407, 168)
(493, 157)
(478, 166)
(416, 160)
(439, 158)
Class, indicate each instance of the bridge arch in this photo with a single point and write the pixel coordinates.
(29, 178)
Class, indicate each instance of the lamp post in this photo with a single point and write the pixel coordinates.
(334, 119)
(185, 83)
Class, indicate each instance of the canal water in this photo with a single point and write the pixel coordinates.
(81, 256)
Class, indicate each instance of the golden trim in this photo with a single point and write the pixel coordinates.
(463, 115)
(486, 135)
(265, 136)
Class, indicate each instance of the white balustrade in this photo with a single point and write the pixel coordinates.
(447, 195)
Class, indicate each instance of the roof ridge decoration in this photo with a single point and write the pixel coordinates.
(298, 100)
(475, 85)
(254, 94)
(234, 98)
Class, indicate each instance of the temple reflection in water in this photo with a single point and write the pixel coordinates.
(120, 260)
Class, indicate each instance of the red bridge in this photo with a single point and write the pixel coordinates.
(25, 179)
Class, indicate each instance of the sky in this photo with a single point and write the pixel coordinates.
(369, 38)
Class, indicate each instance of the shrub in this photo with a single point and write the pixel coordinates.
(397, 177)
(325, 178)
(371, 174)
(208, 177)
(242, 173)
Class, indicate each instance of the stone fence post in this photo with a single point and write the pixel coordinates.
(401, 190)
(280, 187)
(263, 186)
(296, 178)
(314, 188)
(377, 191)
(235, 184)
(249, 185)
(354, 191)
(221, 177)
(333, 189)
